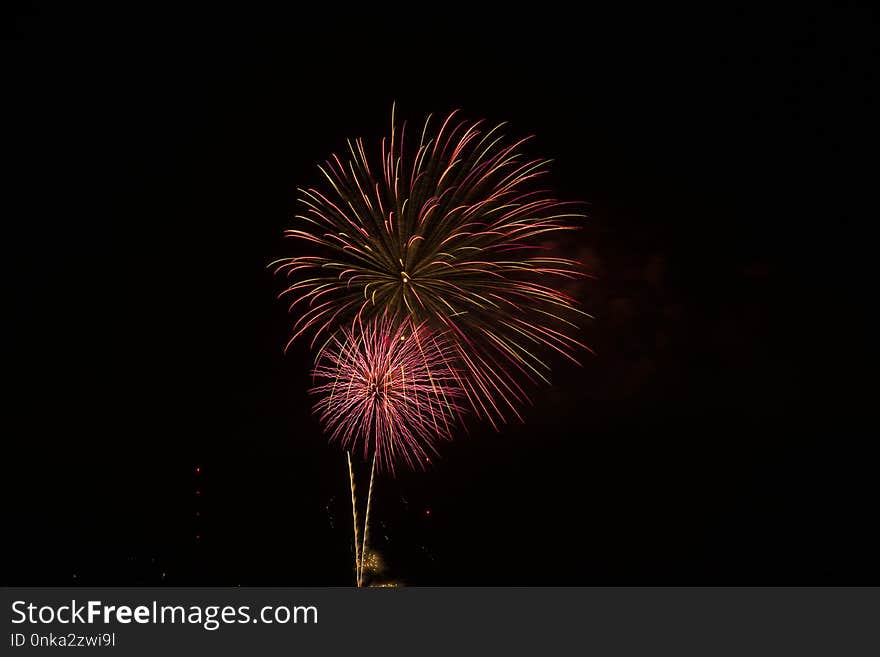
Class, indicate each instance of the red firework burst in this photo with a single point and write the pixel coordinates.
(451, 232)
(388, 391)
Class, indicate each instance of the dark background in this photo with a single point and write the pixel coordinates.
(722, 435)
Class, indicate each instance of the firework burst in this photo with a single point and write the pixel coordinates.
(450, 229)
(387, 390)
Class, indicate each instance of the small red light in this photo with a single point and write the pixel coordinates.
(427, 512)
(198, 469)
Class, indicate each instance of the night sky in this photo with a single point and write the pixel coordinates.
(723, 433)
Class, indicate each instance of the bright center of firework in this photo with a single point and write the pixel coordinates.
(374, 387)
(405, 277)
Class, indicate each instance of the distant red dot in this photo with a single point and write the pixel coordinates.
(198, 536)
(198, 469)
(198, 492)
(427, 512)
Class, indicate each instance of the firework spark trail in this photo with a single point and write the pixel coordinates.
(451, 233)
(367, 520)
(357, 561)
(388, 390)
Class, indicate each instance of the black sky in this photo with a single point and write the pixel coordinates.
(722, 435)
